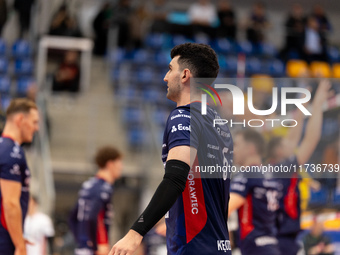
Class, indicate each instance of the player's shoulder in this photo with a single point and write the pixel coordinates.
(182, 112)
(11, 151)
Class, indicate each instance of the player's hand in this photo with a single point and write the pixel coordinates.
(322, 92)
(161, 229)
(20, 250)
(128, 244)
(102, 249)
(315, 185)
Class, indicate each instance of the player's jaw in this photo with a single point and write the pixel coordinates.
(30, 125)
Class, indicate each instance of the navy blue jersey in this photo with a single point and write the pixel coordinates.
(13, 167)
(289, 211)
(257, 217)
(91, 216)
(197, 222)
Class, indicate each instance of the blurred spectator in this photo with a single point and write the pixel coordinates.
(295, 26)
(101, 25)
(316, 242)
(202, 15)
(121, 18)
(314, 45)
(138, 28)
(67, 76)
(3, 14)
(257, 24)
(226, 16)
(158, 12)
(38, 229)
(63, 24)
(23, 7)
(320, 16)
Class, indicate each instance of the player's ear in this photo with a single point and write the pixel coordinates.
(185, 75)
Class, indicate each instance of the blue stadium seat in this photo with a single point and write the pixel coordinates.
(228, 64)
(22, 85)
(245, 47)
(136, 137)
(4, 101)
(318, 197)
(333, 54)
(142, 56)
(223, 45)
(3, 65)
(162, 58)
(2, 48)
(253, 65)
(179, 39)
(23, 67)
(160, 117)
(132, 115)
(5, 84)
(155, 41)
(266, 49)
(117, 56)
(21, 49)
(144, 75)
(151, 95)
(274, 67)
(201, 38)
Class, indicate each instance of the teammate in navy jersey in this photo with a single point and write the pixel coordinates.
(255, 196)
(90, 219)
(286, 152)
(22, 121)
(195, 207)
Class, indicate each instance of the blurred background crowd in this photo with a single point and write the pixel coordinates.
(104, 64)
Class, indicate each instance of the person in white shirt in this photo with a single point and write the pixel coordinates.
(202, 13)
(38, 230)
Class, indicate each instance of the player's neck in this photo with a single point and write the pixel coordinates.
(12, 132)
(253, 160)
(187, 98)
(105, 175)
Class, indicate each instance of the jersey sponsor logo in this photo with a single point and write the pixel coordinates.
(16, 152)
(181, 111)
(173, 129)
(180, 127)
(223, 245)
(180, 116)
(15, 170)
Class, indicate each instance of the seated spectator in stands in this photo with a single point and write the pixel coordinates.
(101, 25)
(63, 24)
(314, 45)
(3, 14)
(24, 9)
(257, 24)
(316, 242)
(295, 27)
(67, 76)
(138, 28)
(319, 14)
(121, 17)
(158, 12)
(202, 16)
(226, 16)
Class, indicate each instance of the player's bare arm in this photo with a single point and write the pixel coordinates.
(235, 202)
(11, 192)
(314, 126)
